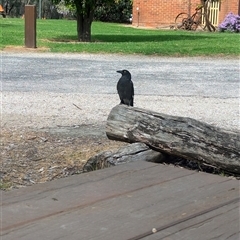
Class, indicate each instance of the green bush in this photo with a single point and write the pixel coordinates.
(119, 12)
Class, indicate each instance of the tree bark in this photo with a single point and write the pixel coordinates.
(209, 25)
(178, 136)
(84, 20)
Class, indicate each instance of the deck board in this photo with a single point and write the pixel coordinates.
(221, 223)
(124, 202)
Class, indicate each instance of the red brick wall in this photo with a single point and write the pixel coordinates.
(227, 6)
(162, 13)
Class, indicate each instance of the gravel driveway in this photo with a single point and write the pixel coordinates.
(40, 90)
(54, 106)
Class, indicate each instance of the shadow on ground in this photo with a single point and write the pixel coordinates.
(133, 38)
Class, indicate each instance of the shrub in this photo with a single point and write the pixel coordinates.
(120, 11)
(230, 23)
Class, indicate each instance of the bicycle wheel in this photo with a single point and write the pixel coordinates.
(198, 21)
(180, 20)
(195, 21)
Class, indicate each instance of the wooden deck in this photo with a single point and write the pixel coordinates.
(125, 202)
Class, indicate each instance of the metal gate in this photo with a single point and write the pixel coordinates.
(213, 7)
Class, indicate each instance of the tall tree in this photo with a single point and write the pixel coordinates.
(84, 13)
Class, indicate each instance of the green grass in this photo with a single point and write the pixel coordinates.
(61, 36)
(5, 185)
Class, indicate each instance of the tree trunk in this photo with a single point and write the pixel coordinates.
(84, 21)
(178, 136)
(209, 25)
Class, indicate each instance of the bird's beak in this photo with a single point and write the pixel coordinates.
(119, 71)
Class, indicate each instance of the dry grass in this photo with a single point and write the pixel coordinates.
(36, 157)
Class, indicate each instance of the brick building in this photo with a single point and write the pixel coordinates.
(162, 13)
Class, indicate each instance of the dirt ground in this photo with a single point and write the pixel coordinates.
(31, 157)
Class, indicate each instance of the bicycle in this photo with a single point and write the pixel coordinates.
(191, 23)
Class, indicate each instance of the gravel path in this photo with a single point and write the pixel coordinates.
(49, 110)
(43, 90)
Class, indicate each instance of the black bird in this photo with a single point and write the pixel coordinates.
(125, 88)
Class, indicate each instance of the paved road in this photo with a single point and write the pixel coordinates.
(83, 73)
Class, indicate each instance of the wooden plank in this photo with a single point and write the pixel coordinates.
(115, 203)
(90, 187)
(221, 223)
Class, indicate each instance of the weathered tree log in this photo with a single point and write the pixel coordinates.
(129, 153)
(180, 136)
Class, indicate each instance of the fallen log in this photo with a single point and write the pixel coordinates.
(129, 153)
(179, 136)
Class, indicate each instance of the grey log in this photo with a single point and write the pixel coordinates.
(178, 136)
(129, 153)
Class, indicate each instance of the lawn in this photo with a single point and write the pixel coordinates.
(61, 36)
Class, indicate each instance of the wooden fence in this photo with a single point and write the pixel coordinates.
(213, 8)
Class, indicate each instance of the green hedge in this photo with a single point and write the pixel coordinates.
(119, 12)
